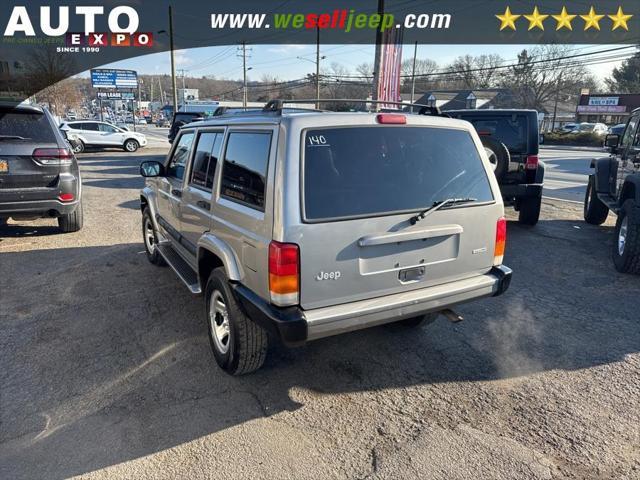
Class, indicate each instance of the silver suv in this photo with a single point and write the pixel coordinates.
(306, 224)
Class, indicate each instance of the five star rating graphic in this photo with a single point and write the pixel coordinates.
(563, 19)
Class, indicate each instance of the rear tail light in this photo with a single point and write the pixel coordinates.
(53, 156)
(66, 197)
(532, 162)
(284, 273)
(391, 118)
(501, 241)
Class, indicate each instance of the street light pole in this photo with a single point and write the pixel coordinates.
(173, 62)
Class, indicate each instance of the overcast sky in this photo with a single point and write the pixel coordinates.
(281, 60)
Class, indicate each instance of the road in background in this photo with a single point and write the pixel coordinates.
(568, 170)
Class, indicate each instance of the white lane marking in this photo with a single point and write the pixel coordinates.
(562, 200)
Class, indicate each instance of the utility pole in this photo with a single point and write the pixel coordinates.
(173, 62)
(244, 74)
(413, 74)
(378, 56)
(318, 68)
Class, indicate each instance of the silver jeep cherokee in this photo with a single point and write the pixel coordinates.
(302, 224)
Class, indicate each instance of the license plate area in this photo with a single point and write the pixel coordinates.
(4, 165)
(411, 275)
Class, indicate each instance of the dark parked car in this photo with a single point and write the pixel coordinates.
(39, 175)
(180, 119)
(511, 141)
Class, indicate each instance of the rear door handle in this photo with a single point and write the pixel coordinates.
(176, 193)
(204, 205)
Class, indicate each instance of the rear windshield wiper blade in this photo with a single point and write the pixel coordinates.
(437, 206)
(12, 137)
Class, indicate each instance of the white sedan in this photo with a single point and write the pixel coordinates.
(91, 133)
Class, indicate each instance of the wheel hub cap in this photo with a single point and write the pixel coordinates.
(149, 237)
(219, 321)
(622, 235)
(493, 159)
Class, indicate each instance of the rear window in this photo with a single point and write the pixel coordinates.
(29, 125)
(510, 130)
(368, 171)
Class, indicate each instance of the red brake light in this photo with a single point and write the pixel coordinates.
(284, 273)
(501, 241)
(66, 197)
(391, 118)
(532, 162)
(52, 156)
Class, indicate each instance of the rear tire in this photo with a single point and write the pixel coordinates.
(626, 245)
(72, 222)
(239, 345)
(529, 210)
(500, 158)
(595, 212)
(150, 237)
(420, 321)
(131, 145)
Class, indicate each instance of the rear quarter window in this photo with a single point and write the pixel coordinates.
(30, 125)
(245, 166)
(371, 171)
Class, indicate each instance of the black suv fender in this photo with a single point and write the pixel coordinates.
(630, 189)
(602, 171)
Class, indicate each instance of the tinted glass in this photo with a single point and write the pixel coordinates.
(106, 128)
(201, 159)
(245, 168)
(512, 132)
(213, 161)
(89, 126)
(629, 132)
(180, 156)
(366, 171)
(29, 125)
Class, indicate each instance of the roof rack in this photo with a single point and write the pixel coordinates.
(277, 105)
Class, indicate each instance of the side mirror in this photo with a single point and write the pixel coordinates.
(611, 140)
(151, 168)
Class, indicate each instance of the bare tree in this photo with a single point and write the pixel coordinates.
(475, 71)
(542, 73)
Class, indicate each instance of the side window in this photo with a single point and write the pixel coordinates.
(90, 126)
(205, 159)
(245, 168)
(629, 132)
(106, 128)
(180, 156)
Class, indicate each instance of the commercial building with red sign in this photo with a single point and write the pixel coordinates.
(609, 108)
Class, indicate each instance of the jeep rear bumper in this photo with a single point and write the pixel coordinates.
(295, 326)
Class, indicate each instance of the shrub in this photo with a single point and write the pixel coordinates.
(586, 139)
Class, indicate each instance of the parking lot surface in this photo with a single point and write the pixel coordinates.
(107, 371)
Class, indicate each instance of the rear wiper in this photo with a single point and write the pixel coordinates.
(12, 137)
(437, 206)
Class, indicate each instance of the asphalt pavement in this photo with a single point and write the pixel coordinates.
(107, 370)
(568, 170)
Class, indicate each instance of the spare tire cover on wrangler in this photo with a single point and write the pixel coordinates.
(498, 155)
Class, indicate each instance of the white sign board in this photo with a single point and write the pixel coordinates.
(601, 101)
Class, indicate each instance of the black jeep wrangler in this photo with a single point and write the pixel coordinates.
(614, 186)
(510, 138)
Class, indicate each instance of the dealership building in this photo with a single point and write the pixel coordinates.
(609, 108)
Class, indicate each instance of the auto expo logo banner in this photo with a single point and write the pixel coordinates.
(45, 41)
